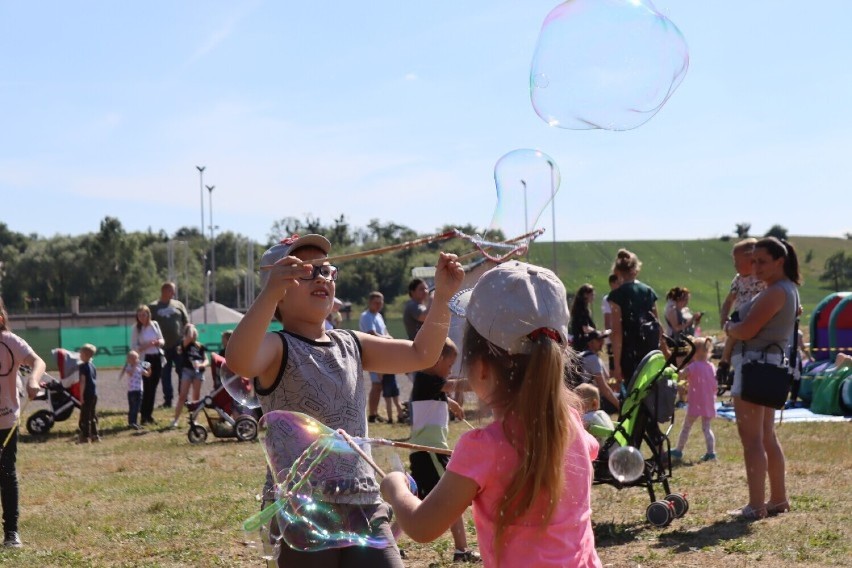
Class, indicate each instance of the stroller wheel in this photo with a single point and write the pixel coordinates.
(681, 505)
(40, 422)
(197, 434)
(660, 513)
(246, 428)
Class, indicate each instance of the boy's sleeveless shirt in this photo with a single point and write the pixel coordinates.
(325, 380)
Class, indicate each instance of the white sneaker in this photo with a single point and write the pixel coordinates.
(174, 424)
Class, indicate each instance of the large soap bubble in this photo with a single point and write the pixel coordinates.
(609, 64)
(626, 464)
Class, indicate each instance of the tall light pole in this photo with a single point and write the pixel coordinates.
(210, 188)
(553, 212)
(201, 188)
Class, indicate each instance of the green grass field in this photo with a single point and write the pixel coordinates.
(154, 500)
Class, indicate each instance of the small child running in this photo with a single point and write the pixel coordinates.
(701, 378)
(529, 473)
(430, 418)
(135, 370)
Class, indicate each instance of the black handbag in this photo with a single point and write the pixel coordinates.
(768, 384)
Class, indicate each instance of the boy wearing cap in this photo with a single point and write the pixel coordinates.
(598, 373)
(308, 369)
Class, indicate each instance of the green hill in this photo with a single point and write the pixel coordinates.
(703, 266)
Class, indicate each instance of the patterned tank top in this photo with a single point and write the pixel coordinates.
(323, 379)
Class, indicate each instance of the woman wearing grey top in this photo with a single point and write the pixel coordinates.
(765, 320)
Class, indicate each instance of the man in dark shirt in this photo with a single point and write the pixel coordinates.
(171, 315)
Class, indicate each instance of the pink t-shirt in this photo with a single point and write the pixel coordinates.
(701, 377)
(486, 456)
(13, 351)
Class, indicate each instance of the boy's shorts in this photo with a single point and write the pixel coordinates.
(424, 472)
(389, 387)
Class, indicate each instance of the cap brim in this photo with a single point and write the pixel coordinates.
(458, 303)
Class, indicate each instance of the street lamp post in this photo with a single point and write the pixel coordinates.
(553, 213)
(201, 188)
(210, 188)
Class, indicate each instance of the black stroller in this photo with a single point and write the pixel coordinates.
(219, 408)
(650, 401)
(62, 396)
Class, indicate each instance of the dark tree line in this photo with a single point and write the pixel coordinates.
(113, 269)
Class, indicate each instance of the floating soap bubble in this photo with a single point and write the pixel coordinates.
(626, 464)
(609, 64)
(240, 388)
(526, 182)
(315, 468)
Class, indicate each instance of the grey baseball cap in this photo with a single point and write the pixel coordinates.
(511, 301)
(287, 247)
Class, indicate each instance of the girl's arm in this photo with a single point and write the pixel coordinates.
(767, 304)
(726, 307)
(251, 351)
(383, 355)
(426, 520)
(34, 380)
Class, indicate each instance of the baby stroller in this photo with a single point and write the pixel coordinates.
(62, 395)
(650, 401)
(218, 407)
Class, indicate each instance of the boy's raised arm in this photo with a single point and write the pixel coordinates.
(401, 356)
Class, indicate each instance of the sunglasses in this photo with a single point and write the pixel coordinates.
(327, 271)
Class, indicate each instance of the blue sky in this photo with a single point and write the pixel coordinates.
(399, 111)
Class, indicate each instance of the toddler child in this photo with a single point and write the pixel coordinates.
(89, 395)
(701, 379)
(529, 473)
(744, 287)
(592, 413)
(135, 370)
(319, 372)
(430, 418)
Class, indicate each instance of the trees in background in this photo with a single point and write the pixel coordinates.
(113, 269)
(838, 272)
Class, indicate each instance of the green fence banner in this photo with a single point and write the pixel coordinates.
(112, 341)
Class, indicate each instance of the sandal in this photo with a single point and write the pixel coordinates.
(773, 509)
(749, 513)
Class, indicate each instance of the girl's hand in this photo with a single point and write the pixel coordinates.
(394, 485)
(448, 276)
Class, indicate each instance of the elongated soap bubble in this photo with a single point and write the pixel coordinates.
(526, 182)
(608, 64)
(626, 464)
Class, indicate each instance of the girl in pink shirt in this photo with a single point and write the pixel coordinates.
(701, 377)
(528, 474)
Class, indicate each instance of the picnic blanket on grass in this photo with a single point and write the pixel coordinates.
(790, 415)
